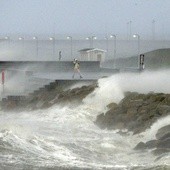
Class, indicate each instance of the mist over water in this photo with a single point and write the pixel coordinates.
(67, 137)
(147, 81)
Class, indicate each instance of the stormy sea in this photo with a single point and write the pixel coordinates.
(67, 137)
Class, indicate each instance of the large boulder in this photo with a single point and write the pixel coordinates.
(101, 121)
(163, 131)
(160, 151)
(112, 106)
(140, 146)
(148, 145)
(164, 144)
(112, 119)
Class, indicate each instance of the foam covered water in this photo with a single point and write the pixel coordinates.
(67, 136)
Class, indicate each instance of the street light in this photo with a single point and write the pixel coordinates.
(88, 38)
(130, 27)
(53, 41)
(127, 30)
(153, 29)
(71, 44)
(7, 38)
(107, 43)
(36, 40)
(91, 40)
(138, 36)
(23, 44)
(115, 44)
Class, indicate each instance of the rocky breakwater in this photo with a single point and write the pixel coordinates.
(136, 112)
(48, 97)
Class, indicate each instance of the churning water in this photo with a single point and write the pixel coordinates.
(67, 138)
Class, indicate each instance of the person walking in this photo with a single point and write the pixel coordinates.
(76, 68)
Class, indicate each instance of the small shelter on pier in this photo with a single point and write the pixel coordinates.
(92, 54)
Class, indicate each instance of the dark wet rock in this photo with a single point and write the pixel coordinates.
(101, 123)
(136, 112)
(151, 144)
(112, 106)
(160, 151)
(164, 144)
(166, 136)
(160, 145)
(140, 146)
(163, 131)
(113, 119)
(148, 145)
(48, 96)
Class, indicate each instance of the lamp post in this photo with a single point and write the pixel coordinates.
(88, 38)
(153, 29)
(138, 36)
(7, 38)
(115, 44)
(23, 44)
(107, 43)
(91, 40)
(130, 27)
(127, 30)
(71, 44)
(36, 41)
(53, 42)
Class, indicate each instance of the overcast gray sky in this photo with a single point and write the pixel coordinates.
(84, 16)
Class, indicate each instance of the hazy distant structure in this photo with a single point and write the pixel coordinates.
(92, 54)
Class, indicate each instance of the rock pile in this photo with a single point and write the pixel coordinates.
(47, 97)
(160, 145)
(136, 112)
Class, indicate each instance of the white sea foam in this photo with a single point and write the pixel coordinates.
(112, 89)
(63, 136)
